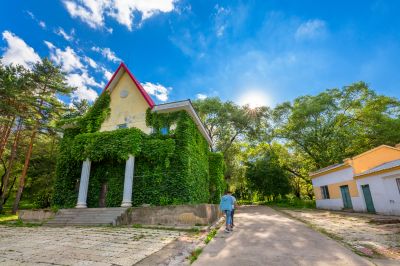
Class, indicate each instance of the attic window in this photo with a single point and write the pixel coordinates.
(122, 126)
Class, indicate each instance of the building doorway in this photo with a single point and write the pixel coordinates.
(346, 197)
(368, 198)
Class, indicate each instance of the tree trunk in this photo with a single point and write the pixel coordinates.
(5, 136)
(10, 165)
(24, 171)
(9, 190)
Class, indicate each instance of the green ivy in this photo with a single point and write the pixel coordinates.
(92, 120)
(217, 181)
(116, 144)
(170, 169)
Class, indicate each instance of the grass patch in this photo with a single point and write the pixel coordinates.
(8, 217)
(293, 203)
(195, 254)
(137, 226)
(20, 223)
(210, 236)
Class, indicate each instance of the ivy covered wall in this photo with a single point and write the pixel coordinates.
(169, 169)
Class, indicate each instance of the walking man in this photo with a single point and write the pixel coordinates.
(226, 207)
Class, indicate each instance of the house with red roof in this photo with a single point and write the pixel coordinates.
(171, 161)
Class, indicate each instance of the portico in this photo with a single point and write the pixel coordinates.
(128, 183)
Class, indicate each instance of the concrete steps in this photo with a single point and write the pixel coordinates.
(87, 217)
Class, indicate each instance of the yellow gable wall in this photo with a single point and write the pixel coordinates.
(374, 158)
(130, 110)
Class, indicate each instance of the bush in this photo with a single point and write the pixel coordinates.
(43, 199)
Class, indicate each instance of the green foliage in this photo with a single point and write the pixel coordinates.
(111, 173)
(195, 254)
(291, 202)
(171, 169)
(158, 121)
(338, 123)
(43, 199)
(116, 144)
(210, 236)
(217, 184)
(267, 177)
(92, 120)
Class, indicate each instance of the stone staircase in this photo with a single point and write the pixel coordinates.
(87, 217)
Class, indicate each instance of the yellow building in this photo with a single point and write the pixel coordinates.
(367, 182)
(129, 106)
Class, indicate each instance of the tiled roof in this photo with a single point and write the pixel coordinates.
(381, 167)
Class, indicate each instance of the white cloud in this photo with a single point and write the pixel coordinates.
(81, 81)
(77, 73)
(201, 96)
(90, 11)
(41, 23)
(68, 37)
(107, 53)
(68, 59)
(93, 12)
(157, 90)
(221, 19)
(311, 29)
(107, 74)
(90, 61)
(85, 93)
(17, 51)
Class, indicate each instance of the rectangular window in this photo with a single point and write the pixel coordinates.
(398, 183)
(122, 126)
(325, 192)
(164, 131)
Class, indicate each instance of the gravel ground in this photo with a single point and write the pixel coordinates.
(360, 231)
(80, 245)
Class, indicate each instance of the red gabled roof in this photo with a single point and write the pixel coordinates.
(137, 83)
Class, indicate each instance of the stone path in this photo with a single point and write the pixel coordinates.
(264, 236)
(80, 245)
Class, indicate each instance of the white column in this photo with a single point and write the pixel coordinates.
(128, 183)
(84, 184)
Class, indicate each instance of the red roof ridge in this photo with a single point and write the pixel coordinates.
(137, 83)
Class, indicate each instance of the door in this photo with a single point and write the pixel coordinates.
(102, 196)
(346, 197)
(368, 198)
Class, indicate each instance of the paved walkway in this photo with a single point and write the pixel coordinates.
(264, 236)
(103, 246)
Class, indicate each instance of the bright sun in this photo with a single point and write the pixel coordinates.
(254, 99)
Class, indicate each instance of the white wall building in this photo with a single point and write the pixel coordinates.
(369, 182)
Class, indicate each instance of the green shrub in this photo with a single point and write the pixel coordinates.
(43, 199)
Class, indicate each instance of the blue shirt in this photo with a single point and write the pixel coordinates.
(226, 203)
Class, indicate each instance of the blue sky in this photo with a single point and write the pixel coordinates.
(264, 52)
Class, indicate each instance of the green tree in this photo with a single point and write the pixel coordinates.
(338, 123)
(266, 176)
(47, 83)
